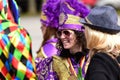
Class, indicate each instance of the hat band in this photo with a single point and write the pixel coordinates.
(100, 28)
(88, 21)
(72, 19)
(72, 26)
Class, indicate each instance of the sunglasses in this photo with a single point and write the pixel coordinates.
(67, 33)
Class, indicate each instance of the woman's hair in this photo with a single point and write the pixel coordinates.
(81, 41)
(103, 42)
(50, 32)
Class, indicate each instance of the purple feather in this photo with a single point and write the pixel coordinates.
(52, 10)
(79, 8)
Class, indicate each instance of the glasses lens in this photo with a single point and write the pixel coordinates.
(59, 33)
(67, 33)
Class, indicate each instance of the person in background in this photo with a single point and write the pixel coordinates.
(49, 19)
(16, 61)
(70, 63)
(103, 39)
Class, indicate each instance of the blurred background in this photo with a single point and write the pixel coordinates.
(30, 20)
(30, 16)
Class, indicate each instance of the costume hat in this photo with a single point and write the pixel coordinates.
(70, 13)
(102, 18)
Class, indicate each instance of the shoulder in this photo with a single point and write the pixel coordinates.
(102, 65)
(59, 60)
(49, 49)
(51, 42)
(49, 45)
(99, 63)
(101, 59)
(60, 63)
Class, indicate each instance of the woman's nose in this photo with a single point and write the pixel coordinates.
(62, 36)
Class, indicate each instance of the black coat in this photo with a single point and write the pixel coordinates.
(103, 67)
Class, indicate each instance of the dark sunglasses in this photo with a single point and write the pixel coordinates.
(65, 32)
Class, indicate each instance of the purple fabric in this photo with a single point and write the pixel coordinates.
(44, 69)
(79, 8)
(72, 26)
(49, 49)
(77, 65)
(84, 65)
(54, 40)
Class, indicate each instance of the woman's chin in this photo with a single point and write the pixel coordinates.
(66, 47)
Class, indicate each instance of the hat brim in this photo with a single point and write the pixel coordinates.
(101, 28)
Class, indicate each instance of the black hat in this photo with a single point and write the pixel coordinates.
(103, 18)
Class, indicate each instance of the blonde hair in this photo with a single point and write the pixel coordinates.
(102, 42)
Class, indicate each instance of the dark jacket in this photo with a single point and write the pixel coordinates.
(103, 67)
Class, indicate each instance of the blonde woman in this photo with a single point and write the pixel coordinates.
(103, 40)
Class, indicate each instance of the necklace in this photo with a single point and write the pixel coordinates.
(72, 70)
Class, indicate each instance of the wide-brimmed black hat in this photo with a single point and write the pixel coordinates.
(103, 18)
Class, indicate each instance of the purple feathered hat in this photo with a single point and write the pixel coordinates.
(50, 13)
(70, 13)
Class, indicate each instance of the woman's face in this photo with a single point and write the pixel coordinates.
(68, 38)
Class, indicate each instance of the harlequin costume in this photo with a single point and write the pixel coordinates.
(50, 18)
(16, 61)
(72, 67)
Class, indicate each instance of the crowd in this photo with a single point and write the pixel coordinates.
(78, 43)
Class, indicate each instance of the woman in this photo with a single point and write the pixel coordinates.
(16, 61)
(103, 40)
(70, 64)
(49, 20)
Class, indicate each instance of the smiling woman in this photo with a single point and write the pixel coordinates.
(70, 62)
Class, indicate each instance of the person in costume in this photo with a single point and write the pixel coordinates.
(49, 19)
(16, 61)
(70, 63)
(103, 40)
